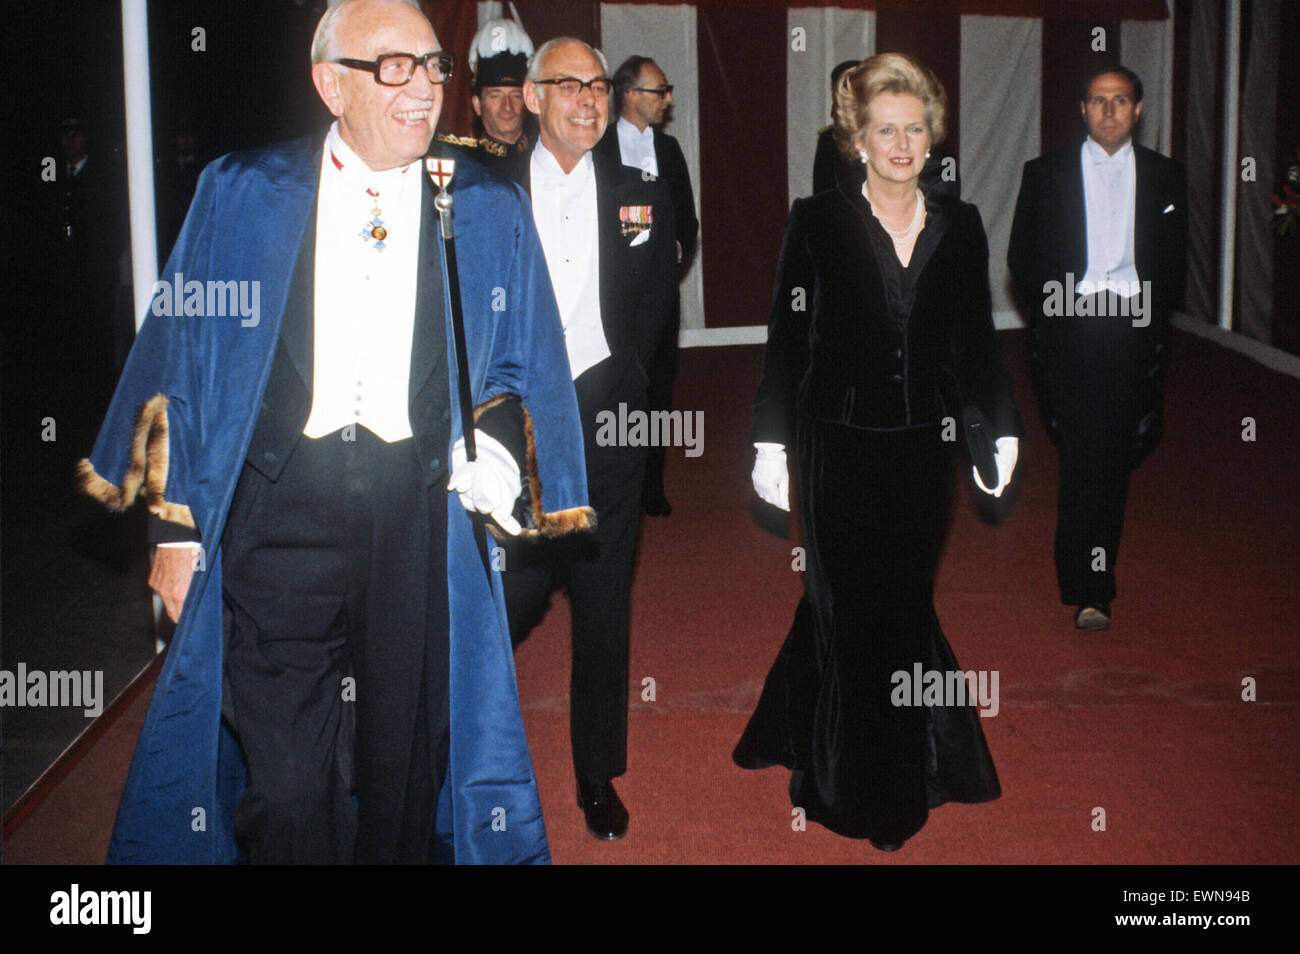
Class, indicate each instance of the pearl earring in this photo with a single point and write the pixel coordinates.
(927, 154)
(862, 158)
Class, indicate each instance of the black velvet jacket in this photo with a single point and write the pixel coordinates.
(842, 348)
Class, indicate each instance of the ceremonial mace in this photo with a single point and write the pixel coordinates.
(440, 172)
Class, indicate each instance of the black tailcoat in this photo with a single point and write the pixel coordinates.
(673, 170)
(1098, 378)
(1049, 240)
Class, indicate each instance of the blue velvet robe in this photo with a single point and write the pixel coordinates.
(246, 223)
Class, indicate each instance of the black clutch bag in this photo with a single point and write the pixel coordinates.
(980, 444)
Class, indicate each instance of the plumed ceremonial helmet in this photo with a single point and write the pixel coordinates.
(498, 54)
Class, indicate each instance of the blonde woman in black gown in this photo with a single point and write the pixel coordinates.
(881, 328)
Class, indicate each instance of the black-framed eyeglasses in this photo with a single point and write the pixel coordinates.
(396, 69)
(571, 86)
(665, 90)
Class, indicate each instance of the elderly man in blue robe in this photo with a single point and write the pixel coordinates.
(340, 687)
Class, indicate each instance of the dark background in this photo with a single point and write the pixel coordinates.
(249, 87)
(73, 593)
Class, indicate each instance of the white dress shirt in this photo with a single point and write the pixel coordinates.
(365, 296)
(564, 209)
(637, 147)
(1109, 195)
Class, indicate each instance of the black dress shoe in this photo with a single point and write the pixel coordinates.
(606, 816)
(658, 506)
(881, 845)
(1093, 617)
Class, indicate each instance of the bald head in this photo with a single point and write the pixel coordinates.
(538, 64)
(569, 125)
(324, 43)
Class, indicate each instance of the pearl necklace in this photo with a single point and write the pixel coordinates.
(907, 234)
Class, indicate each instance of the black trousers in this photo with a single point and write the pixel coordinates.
(336, 620)
(1096, 383)
(597, 570)
(659, 397)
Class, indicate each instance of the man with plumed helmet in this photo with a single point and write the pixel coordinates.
(498, 59)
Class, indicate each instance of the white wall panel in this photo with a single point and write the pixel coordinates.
(1147, 48)
(830, 36)
(1000, 101)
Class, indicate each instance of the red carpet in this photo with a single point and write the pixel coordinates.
(1145, 721)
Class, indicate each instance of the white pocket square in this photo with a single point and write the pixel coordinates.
(641, 237)
(1168, 208)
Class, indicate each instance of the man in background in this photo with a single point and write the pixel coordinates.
(498, 58)
(829, 164)
(1102, 227)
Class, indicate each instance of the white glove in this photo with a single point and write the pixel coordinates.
(1005, 457)
(489, 484)
(771, 475)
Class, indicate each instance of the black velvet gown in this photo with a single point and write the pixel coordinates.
(862, 381)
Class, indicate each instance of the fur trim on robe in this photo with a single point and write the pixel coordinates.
(150, 455)
(550, 525)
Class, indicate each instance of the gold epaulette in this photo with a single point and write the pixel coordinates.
(466, 141)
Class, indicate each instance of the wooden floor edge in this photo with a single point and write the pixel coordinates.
(68, 759)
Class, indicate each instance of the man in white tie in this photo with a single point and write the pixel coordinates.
(1098, 257)
(608, 237)
(340, 660)
(498, 57)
